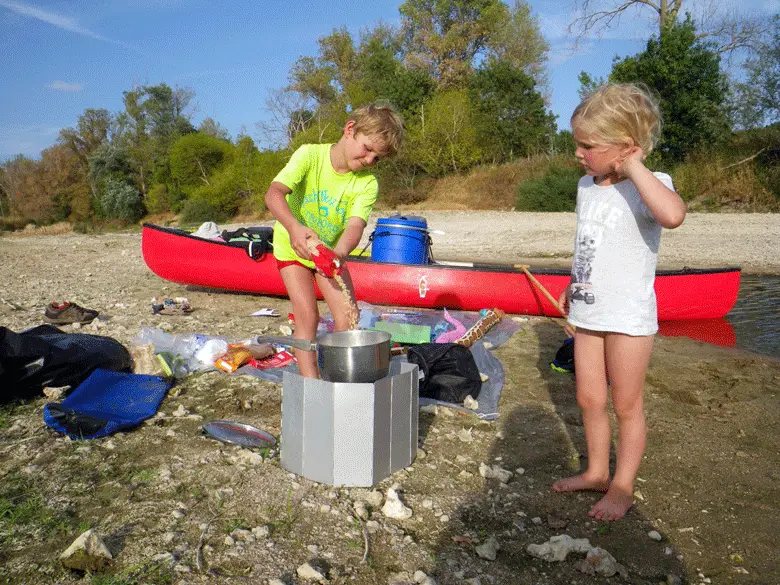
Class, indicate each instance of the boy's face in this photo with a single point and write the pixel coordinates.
(362, 151)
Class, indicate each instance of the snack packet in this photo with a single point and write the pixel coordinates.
(232, 359)
(325, 259)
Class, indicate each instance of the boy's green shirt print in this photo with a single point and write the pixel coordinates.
(321, 198)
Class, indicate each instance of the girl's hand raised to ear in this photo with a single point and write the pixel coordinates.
(630, 159)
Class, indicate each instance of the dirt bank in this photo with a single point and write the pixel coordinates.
(169, 501)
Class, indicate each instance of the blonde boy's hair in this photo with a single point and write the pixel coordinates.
(382, 121)
(620, 113)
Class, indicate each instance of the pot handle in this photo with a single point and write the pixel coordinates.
(304, 344)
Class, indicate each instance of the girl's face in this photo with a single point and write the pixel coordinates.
(597, 158)
(362, 151)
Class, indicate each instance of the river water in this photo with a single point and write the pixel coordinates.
(756, 315)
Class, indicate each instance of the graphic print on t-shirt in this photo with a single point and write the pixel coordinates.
(596, 216)
(327, 224)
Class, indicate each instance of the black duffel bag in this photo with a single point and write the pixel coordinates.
(450, 372)
(46, 356)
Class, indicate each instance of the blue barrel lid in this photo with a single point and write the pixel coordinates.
(410, 220)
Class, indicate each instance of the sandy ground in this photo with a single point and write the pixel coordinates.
(176, 507)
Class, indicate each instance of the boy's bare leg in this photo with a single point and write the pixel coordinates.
(627, 361)
(339, 308)
(299, 282)
(591, 380)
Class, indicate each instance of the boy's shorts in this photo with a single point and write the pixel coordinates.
(283, 263)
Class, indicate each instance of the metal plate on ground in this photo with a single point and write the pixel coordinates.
(237, 433)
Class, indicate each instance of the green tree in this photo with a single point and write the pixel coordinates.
(443, 37)
(509, 113)
(384, 76)
(518, 40)
(588, 84)
(213, 128)
(686, 75)
(443, 137)
(194, 157)
(154, 117)
(121, 200)
(757, 100)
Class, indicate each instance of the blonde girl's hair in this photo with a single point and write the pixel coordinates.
(380, 120)
(620, 113)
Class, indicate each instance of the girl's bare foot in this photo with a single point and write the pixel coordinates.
(613, 506)
(581, 483)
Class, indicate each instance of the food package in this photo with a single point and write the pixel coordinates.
(325, 259)
(232, 359)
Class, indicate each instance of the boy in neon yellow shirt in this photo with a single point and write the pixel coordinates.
(326, 193)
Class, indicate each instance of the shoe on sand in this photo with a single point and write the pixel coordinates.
(66, 313)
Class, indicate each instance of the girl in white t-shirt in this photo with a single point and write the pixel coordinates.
(621, 208)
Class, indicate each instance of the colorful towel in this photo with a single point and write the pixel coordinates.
(451, 336)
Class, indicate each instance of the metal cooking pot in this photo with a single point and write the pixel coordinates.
(354, 356)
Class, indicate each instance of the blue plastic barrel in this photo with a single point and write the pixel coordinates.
(401, 240)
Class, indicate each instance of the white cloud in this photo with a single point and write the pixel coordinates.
(58, 20)
(60, 85)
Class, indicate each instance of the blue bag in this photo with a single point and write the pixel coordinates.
(106, 402)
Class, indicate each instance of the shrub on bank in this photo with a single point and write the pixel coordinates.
(555, 191)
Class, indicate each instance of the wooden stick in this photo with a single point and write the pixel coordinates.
(568, 328)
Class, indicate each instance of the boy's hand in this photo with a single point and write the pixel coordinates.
(299, 240)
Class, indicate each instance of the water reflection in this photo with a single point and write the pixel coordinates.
(755, 316)
(716, 331)
(753, 324)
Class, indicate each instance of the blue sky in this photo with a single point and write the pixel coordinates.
(60, 57)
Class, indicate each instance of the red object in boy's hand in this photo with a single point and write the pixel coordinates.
(327, 261)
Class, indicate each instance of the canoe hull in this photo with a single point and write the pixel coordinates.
(179, 257)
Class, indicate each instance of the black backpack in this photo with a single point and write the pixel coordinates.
(450, 371)
(255, 240)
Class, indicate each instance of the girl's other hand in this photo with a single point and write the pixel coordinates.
(563, 301)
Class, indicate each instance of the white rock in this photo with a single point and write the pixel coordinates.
(465, 435)
(87, 553)
(495, 471)
(600, 562)
(655, 535)
(276, 582)
(488, 549)
(558, 547)
(306, 571)
(422, 579)
(181, 411)
(401, 578)
(470, 403)
(375, 497)
(261, 531)
(394, 507)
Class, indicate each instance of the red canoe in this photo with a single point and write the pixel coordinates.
(177, 256)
